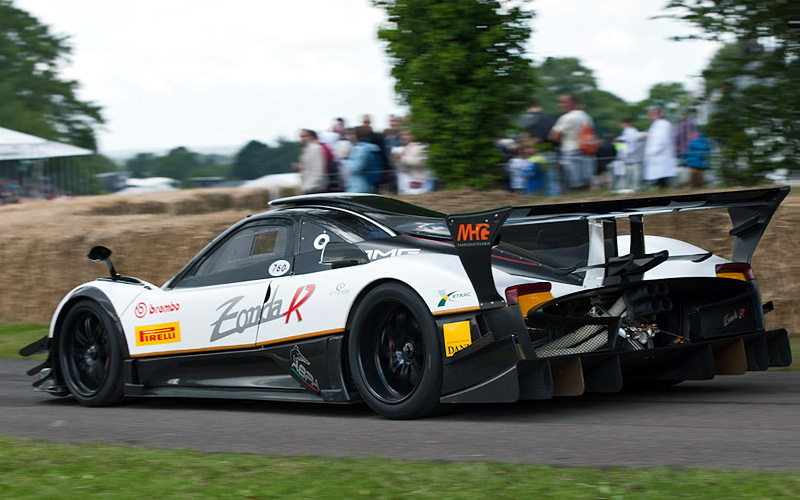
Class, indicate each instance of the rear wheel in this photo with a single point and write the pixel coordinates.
(394, 353)
(89, 355)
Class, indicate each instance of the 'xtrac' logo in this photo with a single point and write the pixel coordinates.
(452, 296)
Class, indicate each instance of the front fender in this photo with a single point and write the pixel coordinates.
(114, 297)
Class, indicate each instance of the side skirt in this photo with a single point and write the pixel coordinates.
(310, 370)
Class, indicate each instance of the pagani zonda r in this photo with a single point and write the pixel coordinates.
(354, 297)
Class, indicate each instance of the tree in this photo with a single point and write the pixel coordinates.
(33, 98)
(753, 83)
(559, 75)
(257, 159)
(178, 164)
(671, 98)
(461, 68)
(250, 161)
(280, 159)
(141, 165)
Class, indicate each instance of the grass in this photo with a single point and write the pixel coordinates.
(15, 336)
(30, 469)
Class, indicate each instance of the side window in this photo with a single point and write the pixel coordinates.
(248, 246)
(244, 256)
(313, 239)
(330, 226)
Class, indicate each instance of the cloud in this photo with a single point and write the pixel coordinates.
(618, 41)
(227, 71)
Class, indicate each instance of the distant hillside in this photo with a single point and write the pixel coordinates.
(120, 156)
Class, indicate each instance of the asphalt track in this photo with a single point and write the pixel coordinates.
(747, 422)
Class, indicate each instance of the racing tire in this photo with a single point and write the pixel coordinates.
(394, 353)
(89, 355)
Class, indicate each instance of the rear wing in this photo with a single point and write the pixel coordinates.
(475, 234)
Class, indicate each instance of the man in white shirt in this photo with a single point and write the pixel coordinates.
(578, 169)
(311, 163)
(660, 163)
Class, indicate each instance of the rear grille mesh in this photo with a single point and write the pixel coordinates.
(559, 335)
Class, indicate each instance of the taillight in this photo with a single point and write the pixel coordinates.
(735, 270)
(528, 296)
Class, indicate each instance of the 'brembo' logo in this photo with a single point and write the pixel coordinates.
(232, 321)
(142, 309)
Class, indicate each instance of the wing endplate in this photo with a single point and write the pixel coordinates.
(474, 235)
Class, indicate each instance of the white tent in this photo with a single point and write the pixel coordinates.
(149, 185)
(18, 146)
(274, 183)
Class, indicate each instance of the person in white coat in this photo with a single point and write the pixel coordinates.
(632, 156)
(660, 163)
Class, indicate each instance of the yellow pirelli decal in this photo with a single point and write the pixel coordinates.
(165, 333)
(456, 337)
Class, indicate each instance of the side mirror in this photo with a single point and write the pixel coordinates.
(340, 254)
(101, 253)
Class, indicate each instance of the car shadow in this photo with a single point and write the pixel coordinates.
(550, 408)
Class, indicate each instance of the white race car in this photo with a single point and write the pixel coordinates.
(355, 297)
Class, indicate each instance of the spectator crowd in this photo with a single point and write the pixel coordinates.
(359, 159)
(556, 154)
(549, 156)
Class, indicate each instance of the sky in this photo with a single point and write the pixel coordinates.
(207, 74)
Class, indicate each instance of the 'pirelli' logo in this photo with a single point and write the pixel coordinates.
(165, 333)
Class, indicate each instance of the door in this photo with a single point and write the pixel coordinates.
(221, 301)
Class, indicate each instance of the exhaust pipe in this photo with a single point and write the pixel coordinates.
(647, 300)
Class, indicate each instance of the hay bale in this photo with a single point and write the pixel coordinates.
(44, 245)
(112, 207)
(151, 207)
(215, 201)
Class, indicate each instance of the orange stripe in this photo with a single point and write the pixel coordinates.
(236, 347)
(457, 311)
(297, 337)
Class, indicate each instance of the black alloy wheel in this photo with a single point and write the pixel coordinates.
(395, 355)
(89, 355)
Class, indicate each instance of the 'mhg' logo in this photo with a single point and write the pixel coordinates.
(473, 232)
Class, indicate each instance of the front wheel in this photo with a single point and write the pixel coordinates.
(89, 355)
(395, 355)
